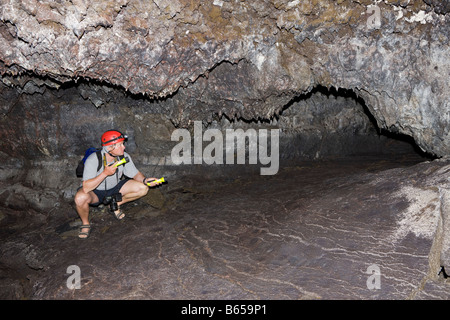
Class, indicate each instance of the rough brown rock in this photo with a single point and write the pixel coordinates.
(394, 56)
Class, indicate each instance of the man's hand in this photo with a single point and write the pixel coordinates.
(148, 181)
(111, 169)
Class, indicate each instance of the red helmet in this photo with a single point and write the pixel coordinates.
(113, 136)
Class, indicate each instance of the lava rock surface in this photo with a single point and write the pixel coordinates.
(313, 231)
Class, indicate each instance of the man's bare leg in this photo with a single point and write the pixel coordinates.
(131, 190)
(82, 201)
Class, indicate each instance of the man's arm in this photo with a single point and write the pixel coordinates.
(141, 178)
(91, 184)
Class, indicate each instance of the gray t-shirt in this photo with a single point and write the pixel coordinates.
(90, 171)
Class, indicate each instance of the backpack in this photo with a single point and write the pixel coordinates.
(88, 152)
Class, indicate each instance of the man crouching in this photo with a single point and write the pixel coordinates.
(102, 182)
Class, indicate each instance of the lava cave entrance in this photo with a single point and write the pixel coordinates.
(45, 126)
(47, 131)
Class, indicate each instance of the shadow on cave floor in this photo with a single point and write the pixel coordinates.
(309, 232)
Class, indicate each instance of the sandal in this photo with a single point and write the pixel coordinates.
(119, 215)
(84, 235)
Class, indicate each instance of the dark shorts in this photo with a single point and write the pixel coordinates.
(102, 194)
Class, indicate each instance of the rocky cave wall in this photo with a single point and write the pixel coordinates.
(71, 70)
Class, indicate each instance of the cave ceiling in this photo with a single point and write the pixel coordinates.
(240, 58)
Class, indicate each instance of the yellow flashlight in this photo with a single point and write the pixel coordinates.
(123, 161)
(157, 181)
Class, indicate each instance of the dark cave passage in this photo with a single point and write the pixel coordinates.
(332, 124)
(47, 130)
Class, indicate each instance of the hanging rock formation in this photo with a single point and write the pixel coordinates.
(394, 54)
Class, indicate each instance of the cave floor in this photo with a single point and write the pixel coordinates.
(316, 230)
